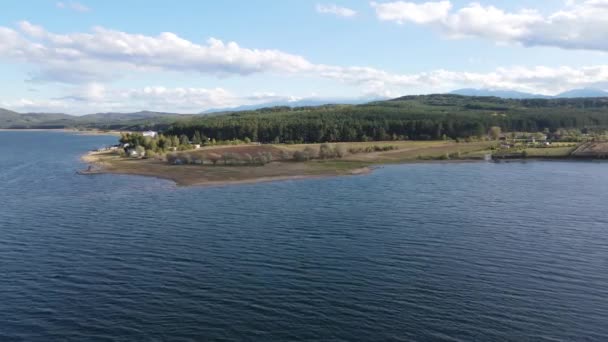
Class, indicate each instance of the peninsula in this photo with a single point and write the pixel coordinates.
(251, 163)
(297, 142)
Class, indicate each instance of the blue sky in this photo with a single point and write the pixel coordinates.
(90, 56)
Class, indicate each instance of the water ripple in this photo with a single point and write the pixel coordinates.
(410, 253)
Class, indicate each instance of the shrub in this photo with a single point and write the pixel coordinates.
(172, 158)
(312, 152)
(326, 151)
(301, 156)
(150, 154)
(248, 158)
(285, 155)
(340, 151)
(214, 158)
(263, 158)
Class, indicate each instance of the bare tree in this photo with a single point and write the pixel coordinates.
(495, 132)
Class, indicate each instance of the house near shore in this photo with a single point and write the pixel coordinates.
(134, 154)
(151, 134)
(108, 148)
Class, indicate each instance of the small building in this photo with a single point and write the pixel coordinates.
(196, 146)
(151, 134)
(134, 154)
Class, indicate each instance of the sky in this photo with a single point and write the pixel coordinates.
(189, 56)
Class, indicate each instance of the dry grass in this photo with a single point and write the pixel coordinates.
(240, 150)
(592, 150)
(409, 151)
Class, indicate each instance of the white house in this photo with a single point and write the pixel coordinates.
(150, 134)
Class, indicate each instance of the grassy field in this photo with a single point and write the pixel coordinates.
(555, 151)
(549, 152)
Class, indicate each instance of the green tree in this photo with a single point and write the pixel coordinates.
(183, 140)
(174, 141)
(197, 138)
(495, 132)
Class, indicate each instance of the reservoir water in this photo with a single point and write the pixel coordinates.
(456, 252)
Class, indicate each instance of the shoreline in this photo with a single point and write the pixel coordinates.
(219, 174)
(96, 159)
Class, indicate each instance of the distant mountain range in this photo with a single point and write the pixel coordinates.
(10, 119)
(311, 102)
(147, 119)
(510, 94)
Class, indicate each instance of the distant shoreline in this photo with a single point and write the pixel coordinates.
(64, 130)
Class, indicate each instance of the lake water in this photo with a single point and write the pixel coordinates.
(453, 252)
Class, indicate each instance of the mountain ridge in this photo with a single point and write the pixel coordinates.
(426, 105)
(512, 94)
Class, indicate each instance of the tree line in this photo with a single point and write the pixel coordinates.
(410, 118)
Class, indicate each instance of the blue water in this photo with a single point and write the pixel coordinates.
(453, 252)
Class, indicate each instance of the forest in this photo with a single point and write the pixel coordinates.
(428, 117)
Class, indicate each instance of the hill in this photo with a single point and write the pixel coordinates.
(510, 94)
(507, 94)
(585, 92)
(311, 102)
(137, 120)
(424, 117)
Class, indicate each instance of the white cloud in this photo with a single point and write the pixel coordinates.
(98, 98)
(543, 80)
(580, 24)
(401, 11)
(95, 59)
(90, 55)
(371, 82)
(336, 10)
(72, 5)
